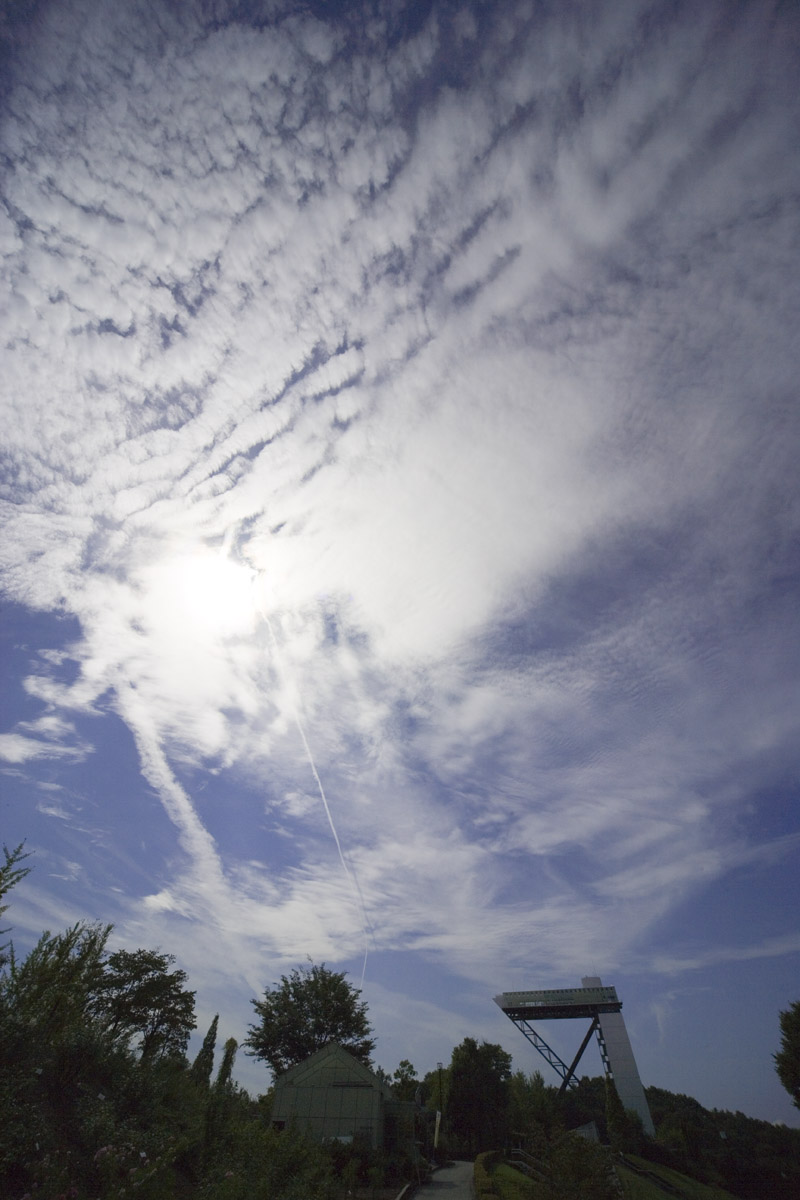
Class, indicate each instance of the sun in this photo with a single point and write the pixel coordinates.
(218, 593)
(205, 593)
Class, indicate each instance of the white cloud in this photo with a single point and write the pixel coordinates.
(17, 748)
(773, 947)
(475, 391)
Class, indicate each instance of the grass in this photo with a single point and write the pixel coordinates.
(637, 1188)
(513, 1185)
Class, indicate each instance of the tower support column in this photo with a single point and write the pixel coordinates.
(603, 1007)
(618, 1060)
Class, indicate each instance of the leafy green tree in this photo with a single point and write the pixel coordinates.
(49, 991)
(203, 1065)
(616, 1122)
(225, 1104)
(405, 1081)
(138, 996)
(748, 1157)
(67, 1083)
(44, 1038)
(586, 1102)
(534, 1106)
(10, 874)
(436, 1088)
(303, 1013)
(223, 1080)
(787, 1060)
(478, 1101)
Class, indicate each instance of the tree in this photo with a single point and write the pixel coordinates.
(615, 1117)
(479, 1094)
(405, 1081)
(304, 1012)
(223, 1080)
(139, 996)
(203, 1065)
(50, 990)
(436, 1088)
(534, 1106)
(787, 1060)
(10, 874)
(53, 1055)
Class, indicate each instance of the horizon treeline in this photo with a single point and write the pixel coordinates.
(98, 1098)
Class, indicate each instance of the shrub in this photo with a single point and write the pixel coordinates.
(482, 1174)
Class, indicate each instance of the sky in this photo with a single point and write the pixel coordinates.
(400, 562)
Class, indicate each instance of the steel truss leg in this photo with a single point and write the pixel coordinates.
(538, 1042)
(549, 1055)
(569, 1078)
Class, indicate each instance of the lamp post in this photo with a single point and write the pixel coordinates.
(440, 1113)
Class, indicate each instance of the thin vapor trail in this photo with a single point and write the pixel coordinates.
(351, 876)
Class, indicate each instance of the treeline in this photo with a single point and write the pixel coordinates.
(748, 1157)
(489, 1107)
(98, 1098)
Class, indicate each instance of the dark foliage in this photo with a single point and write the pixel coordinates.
(479, 1098)
(623, 1127)
(404, 1081)
(306, 1011)
(74, 1100)
(203, 1065)
(747, 1157)
(787, 1060)
(97, 1099)
(83, 1114)
(578, 1167)
(585, 1103)
(10, 875)
(138, 996)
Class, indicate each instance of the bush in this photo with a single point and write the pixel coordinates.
(355, 1162)
(484, 1164)
(571, 1167)
(256, 1163)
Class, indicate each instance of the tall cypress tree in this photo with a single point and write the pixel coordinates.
(226, 1066)
(203, 1065)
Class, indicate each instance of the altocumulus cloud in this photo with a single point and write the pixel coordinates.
(422, 382)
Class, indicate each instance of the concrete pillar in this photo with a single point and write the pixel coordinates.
(622, 1063)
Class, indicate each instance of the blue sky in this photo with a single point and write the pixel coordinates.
(400, 562)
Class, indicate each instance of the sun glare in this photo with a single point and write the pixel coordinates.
(208, 592)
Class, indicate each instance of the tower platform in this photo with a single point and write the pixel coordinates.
(603, 1008)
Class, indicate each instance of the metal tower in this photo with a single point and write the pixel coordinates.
(604, 1009)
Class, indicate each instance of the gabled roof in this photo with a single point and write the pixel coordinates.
(333, 1057)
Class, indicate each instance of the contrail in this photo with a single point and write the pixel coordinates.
(351, 877)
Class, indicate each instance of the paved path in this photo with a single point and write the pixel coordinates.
(453, 1182)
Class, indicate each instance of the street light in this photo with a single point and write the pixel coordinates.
(441, 1109)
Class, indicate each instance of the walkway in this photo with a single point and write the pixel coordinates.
(453, 1182)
